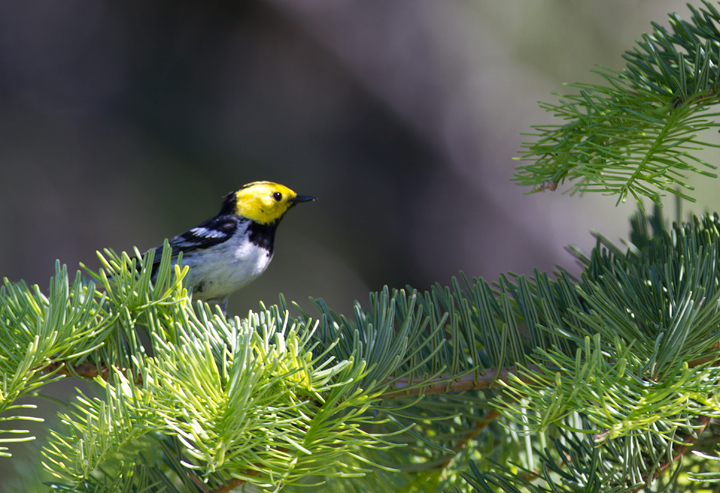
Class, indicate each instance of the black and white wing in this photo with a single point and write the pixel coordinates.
(212, 232)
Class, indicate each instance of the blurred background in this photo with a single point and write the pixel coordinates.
(124, 123)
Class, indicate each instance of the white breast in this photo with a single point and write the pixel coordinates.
(222, 269)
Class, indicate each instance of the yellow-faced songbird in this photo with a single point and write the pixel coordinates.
(233, 248)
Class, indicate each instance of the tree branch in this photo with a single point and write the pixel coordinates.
(679, 451)
(478, 428)
(489, 379)
(85, 370)
(234, 483)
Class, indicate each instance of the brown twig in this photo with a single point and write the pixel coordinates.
(234, 483)
(705, 359)
(489, 379)
(198, 482)
(679, 451)
(85, 370)
(477, 428)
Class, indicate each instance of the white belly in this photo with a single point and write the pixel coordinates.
(225, 268)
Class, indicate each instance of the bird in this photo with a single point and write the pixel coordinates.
(232, 249)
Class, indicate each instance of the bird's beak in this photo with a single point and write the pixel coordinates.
(301, 198)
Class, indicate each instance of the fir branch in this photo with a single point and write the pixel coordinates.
(444, 384)
(679, 451)
(231, 485)
(85, 370)
(632, 136)
(245, 398)
(464, 442)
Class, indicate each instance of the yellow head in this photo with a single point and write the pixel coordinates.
(262, 201)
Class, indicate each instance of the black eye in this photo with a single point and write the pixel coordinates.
(277, 196)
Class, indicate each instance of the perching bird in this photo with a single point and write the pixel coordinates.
(233, 248)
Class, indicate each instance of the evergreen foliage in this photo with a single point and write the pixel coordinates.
(634, 134)
(532, 383)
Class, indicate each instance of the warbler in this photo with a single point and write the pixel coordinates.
(233, 248)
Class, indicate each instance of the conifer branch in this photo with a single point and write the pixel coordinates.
(631, 136)
(679, 451)
(528, 337)
(484, 379)
(85, 370)
(476, 429)
(231, 485)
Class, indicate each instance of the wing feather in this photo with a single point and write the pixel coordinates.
(208, 234)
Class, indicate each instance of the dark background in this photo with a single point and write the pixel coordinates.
(123, 123)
